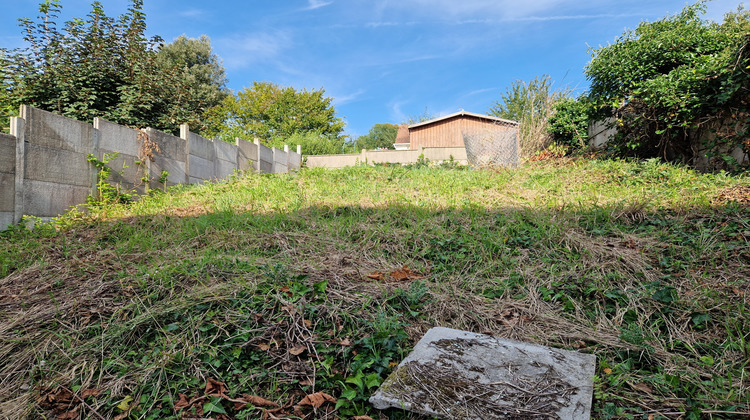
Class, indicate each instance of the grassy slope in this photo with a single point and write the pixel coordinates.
(261, 284)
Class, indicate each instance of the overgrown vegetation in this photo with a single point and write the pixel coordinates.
(678, 87)
(295, 295)
(531, 104)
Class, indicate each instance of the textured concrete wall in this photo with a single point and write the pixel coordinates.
(128, 168)
(247, 155)
(265, 159)
(201, 159)
(295, 161)
(280, 161)
(226, 159)
(57, 174)
(7, 179)
(172, 157)
(434, 154)
(44, 170)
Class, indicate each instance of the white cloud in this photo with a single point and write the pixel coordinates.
(192, 13)
(343, 99)
(243, 50)
(317, 4)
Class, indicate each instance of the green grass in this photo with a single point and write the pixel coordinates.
(260, 283)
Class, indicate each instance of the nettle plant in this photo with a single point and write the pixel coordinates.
(676, 82)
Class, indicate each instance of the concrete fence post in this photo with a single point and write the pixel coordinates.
(94, 173)
(185, 135)
(256, 141)
(237, 156)
(299, 149)
(18, 129)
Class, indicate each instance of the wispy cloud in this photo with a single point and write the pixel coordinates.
(344, 99)
(317, 4)
(192, 13)
(240, 51)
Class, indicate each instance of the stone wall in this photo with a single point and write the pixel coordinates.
(44, 170)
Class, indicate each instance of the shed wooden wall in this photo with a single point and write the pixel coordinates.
(449, 133)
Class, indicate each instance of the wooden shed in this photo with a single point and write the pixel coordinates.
(448, 131)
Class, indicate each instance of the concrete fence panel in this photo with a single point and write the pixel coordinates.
(247, 155)
(280, 161)
(332, 161)
(226, 159)
(441, 154)
(295, 161)
(201, 159)
(172, 157)
(265, 158)
(7, 179)
(127, 169)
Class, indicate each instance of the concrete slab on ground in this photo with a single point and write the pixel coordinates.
(454, 374)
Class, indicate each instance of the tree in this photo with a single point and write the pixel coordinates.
(270, 112)
(380, 136)
(426, 115)
(198, 70)
(96, 67)
(670, 82)
(531, 104)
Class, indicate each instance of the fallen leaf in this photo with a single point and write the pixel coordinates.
(307, 382)
(125, 403)
(182, 402)
(316, 400)
(91, 392)
(404, 274)
(308, 323)
(215, 388)
(345, 342)
(607, 371)
(641, 387)
(362, 418)
(70, 415)
(297, 350)
(377, 275)
(264, 347)
(255, 400)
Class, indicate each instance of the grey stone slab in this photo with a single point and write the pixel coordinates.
(117, 138)
(7, 192)
(55, 131)
(57, 165)
(7, 154)
(201, 168)
(50, 199)
(202, 147)
(454, 374)
(226, 151)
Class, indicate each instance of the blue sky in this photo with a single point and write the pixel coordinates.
(385, 60)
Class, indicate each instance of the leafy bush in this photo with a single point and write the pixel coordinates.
(569, 124)
(675, 82)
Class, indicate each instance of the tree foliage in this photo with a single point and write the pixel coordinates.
(670, 82)
(568, 125)
(197, 69)
(313, 143)
(380, 136)
(531, 104)
(97, 67)
(270, 112)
